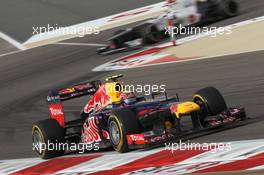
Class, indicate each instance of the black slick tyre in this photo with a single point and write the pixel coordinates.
(46, 133)
(120, 123)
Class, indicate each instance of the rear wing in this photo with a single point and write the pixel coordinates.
(55, 98)
(86, 88)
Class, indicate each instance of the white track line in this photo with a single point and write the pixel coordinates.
(10, 53)
(12, 41)
(70, 44)
(81, 44)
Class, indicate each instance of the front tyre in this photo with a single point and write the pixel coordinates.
(228, 8)
(121, 123)
(210, 100)
(47, 135)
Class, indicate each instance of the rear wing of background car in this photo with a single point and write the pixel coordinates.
(55, 98)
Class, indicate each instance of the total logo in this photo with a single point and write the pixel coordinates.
(56, 111)
(137, 137)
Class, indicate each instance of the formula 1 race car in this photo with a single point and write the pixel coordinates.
(119, 119)
(182, 13)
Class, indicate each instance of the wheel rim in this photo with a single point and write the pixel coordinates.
(114, 133)
(37, 142)
(202, 104)
(203, 110)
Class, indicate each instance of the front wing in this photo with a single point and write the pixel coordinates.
(231, 118)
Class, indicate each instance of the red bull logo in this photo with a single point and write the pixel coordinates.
(66, 91)
(98, 100)
(91, 133)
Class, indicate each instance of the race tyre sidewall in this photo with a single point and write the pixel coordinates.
(49, 133)
(210, 100)
(127, 123)
(228, 8)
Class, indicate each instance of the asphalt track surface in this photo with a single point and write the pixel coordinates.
(26, 77)
(18, 17)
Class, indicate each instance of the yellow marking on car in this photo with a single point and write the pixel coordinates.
(186, 108)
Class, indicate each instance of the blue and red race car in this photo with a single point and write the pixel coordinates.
(124, 121)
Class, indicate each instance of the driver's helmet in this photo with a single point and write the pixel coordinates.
(117, 93)
(114, 91)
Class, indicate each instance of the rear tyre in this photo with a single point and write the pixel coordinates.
(210, 100)
(120, 123)
(228, 8)
(46, 135)
(151, 34)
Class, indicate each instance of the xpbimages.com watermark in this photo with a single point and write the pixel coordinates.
(214, 147)
(59, 146)
(145, 89)
(80, 31)
(192, 30)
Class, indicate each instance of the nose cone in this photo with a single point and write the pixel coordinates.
(184, 108)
